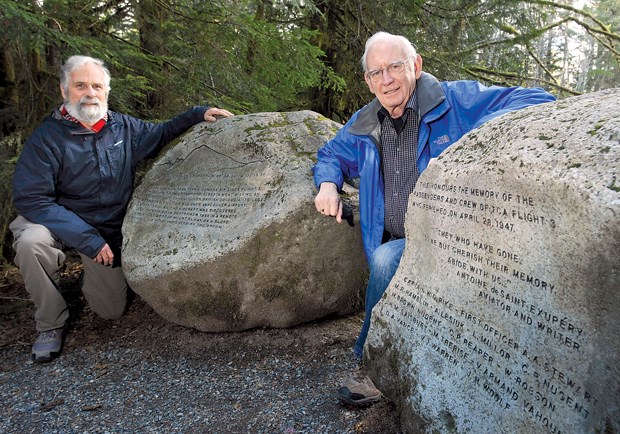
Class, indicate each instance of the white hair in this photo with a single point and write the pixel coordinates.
(385, 37)
(74, 62)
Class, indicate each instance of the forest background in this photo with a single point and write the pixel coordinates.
(284, 55)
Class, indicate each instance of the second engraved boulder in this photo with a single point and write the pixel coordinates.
(222, 233)
(504, 314)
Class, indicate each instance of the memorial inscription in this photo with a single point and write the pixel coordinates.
(512, 374)
(193, 207)
(508, 369)
(205, 207)
(502, 294)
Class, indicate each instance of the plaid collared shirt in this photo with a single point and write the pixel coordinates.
(399, 149)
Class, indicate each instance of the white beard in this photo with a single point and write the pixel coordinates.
(84, 111)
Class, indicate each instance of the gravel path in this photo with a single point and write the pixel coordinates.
(142, 374)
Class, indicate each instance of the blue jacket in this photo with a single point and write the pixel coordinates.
(78, 183)
(448, 110)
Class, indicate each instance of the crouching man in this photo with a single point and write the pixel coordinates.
(71, 187)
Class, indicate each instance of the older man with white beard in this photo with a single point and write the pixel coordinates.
(72, 186)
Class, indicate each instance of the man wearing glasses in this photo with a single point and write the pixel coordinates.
(388, 144)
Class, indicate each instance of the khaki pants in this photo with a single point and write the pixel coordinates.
(39, 256)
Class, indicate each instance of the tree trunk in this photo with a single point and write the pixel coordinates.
(151, 17)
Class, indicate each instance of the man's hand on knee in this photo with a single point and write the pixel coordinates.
(105, 256)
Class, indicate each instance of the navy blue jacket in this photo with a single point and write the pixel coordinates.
(78, 183)
(448, 110)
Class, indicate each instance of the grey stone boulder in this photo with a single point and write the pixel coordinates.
(504, 314)
(222, 233)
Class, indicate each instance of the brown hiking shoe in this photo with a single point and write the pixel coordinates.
(359, 393)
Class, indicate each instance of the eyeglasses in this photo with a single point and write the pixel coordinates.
(393, 68)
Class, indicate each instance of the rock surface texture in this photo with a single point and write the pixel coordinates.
(222, 233)
(504, 315)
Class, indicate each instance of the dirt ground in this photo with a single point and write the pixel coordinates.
(306, 363)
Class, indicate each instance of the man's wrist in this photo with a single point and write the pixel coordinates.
(328, 185)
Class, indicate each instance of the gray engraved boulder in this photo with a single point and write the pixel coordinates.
(504, 314)
(222, 233)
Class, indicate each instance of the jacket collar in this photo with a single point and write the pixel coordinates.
(430, 95)
(77, 128)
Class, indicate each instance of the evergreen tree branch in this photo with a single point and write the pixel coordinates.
(151, 56)
(518, 38)
(540, 63)
(608, 46)
(571, 9)
(605, 30)
(486, 75)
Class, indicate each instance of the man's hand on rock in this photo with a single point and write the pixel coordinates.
(328, 202)
(214, 113)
